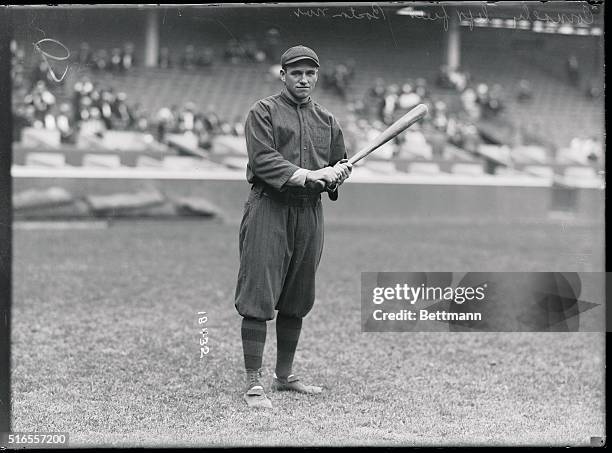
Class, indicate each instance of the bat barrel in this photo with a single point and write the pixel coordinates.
(399, 126)
(403, 123)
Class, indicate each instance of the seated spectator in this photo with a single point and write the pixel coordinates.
(458, 79)
(198, 123)
(115, 60)
(18, 71)
(95, 97)
(127, 58)
(593, 90)
(88, 87)
(437, 139)
(225, 128)
(187, 118)
(443, 79)
(390, 103)
(206, 57)
(234, 52)
(21, 121)
(41, 99)
(408, 98)
(30, 114)
(421, 88)
(211, 120)
(376, 99)
(583, 150)
(452, 79)
(272, 45)
(469, 100)
(106, 102)
(413, 144)
(175, 115)
(496, 99)
(85, 104)
(525, 91)
(41, 72)
(164, 61)
(252, 51)
(350, 69)
(238, 127)
(470, 137)
(482, 94)
(123, 116)
(49, 120)
(205, 140)
(573, 70)
(341, 79)
(93, 125)
(101, 60)
(165, 122)
(85, 56)
(378, 89)
(356, 106)
(596, 150)
(65, 124)
(189, 59)
(440, 119)
(140, 118)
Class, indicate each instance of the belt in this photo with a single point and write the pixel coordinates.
(293, 196)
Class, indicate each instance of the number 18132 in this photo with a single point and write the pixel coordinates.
(202, 320)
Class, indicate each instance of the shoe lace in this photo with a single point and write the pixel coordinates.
(253, 377)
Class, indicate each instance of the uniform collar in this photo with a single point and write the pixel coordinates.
(285, 95)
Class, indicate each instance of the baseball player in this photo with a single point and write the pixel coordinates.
(292, 142)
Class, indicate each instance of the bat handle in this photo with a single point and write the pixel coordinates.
(321, 185)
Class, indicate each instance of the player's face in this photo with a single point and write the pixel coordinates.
(300, 78)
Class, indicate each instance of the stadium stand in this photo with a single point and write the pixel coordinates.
(536, 125)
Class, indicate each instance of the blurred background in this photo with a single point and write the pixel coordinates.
(513, 91)
(138, 113)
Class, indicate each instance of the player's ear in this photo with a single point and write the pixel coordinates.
(283, 73)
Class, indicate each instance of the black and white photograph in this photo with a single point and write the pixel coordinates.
(302, 225)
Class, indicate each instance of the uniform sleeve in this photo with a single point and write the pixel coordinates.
(298, 179)
(265, 161)
(338, 152)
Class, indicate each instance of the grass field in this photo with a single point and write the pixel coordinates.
(105, 342)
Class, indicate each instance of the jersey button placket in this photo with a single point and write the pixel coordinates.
(302, 146)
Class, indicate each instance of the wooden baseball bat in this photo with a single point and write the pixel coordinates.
(391, 132)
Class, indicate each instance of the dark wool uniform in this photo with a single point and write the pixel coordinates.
(281, 233)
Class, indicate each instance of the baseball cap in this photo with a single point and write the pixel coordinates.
(297, 53)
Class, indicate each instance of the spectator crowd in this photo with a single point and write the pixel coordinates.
(115, 60)
(189, 120)
(93, 109)
(248, 49)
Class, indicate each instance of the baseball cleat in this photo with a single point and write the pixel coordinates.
(293, 384)
(256, 398)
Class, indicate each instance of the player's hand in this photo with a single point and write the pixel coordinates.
(343, 170)
(328, 175)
